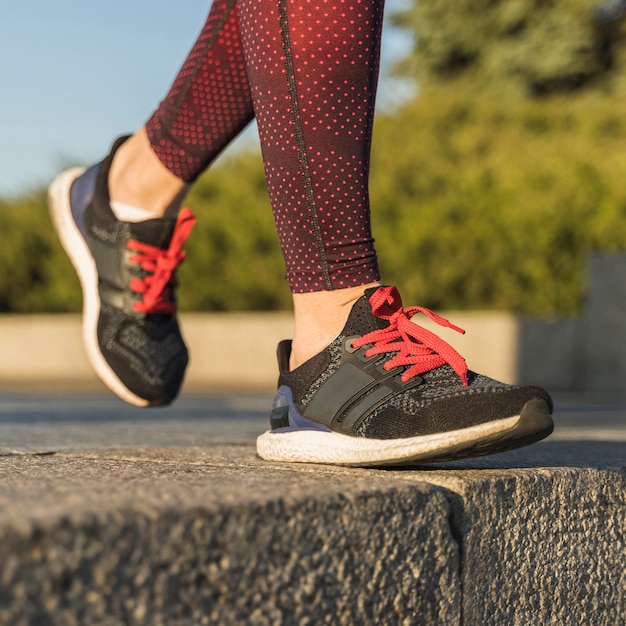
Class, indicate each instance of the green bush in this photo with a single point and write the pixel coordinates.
(36, 275)
(478, 203)
(495, 203)
(233, 256)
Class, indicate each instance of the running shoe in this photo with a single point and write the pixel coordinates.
(387, 391)
(127, 273)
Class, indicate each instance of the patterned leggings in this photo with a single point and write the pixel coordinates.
(307, 70)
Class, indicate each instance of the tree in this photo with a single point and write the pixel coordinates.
(535, 47)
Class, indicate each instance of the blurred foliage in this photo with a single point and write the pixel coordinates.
(36, 275)
(482, 197)
(495, 203)
(233, 257)
(489, 203)
(534, 47)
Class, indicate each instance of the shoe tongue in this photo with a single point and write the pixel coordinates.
(156, 232)
(370, 291)
(361, 319)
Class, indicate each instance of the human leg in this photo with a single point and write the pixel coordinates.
(126, 263)
(138, 178)
(313, 68)
(207, 105)
(361, 383)
(380, 391)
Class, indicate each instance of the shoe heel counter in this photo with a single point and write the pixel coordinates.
(81, 194)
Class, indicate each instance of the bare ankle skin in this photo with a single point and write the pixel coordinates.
(318, 318)
(138, 178)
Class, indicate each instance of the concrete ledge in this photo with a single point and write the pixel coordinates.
(542, 545)
(213, 535)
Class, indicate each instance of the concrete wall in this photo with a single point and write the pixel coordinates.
(237, 350)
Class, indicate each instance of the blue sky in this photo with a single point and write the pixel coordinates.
(74, 75)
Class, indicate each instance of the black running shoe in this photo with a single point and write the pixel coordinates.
(387, 391)
(127, 273)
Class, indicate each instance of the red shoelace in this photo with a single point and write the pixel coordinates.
(414, 345)
(160, 264)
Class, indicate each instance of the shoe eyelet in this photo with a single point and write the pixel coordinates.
(414, 381)
(347, 344)
(389, 372)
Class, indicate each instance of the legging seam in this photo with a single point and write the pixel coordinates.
(304, 161)
(207, 48)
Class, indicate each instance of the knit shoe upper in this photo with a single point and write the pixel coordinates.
(127, 272)
(389, 391)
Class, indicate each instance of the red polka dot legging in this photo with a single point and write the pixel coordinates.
(307, 70)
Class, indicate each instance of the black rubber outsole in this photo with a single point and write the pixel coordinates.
(534, 424)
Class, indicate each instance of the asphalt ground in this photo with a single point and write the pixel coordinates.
(50, 422)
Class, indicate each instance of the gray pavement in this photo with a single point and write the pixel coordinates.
(48, 422)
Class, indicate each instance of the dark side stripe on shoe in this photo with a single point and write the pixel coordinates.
(355, 389)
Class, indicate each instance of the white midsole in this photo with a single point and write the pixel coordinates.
(80, 256)
(313, 446)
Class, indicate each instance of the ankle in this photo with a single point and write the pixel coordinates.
(318, 318)
(139, 179)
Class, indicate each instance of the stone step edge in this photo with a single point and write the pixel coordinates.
(452, 547)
